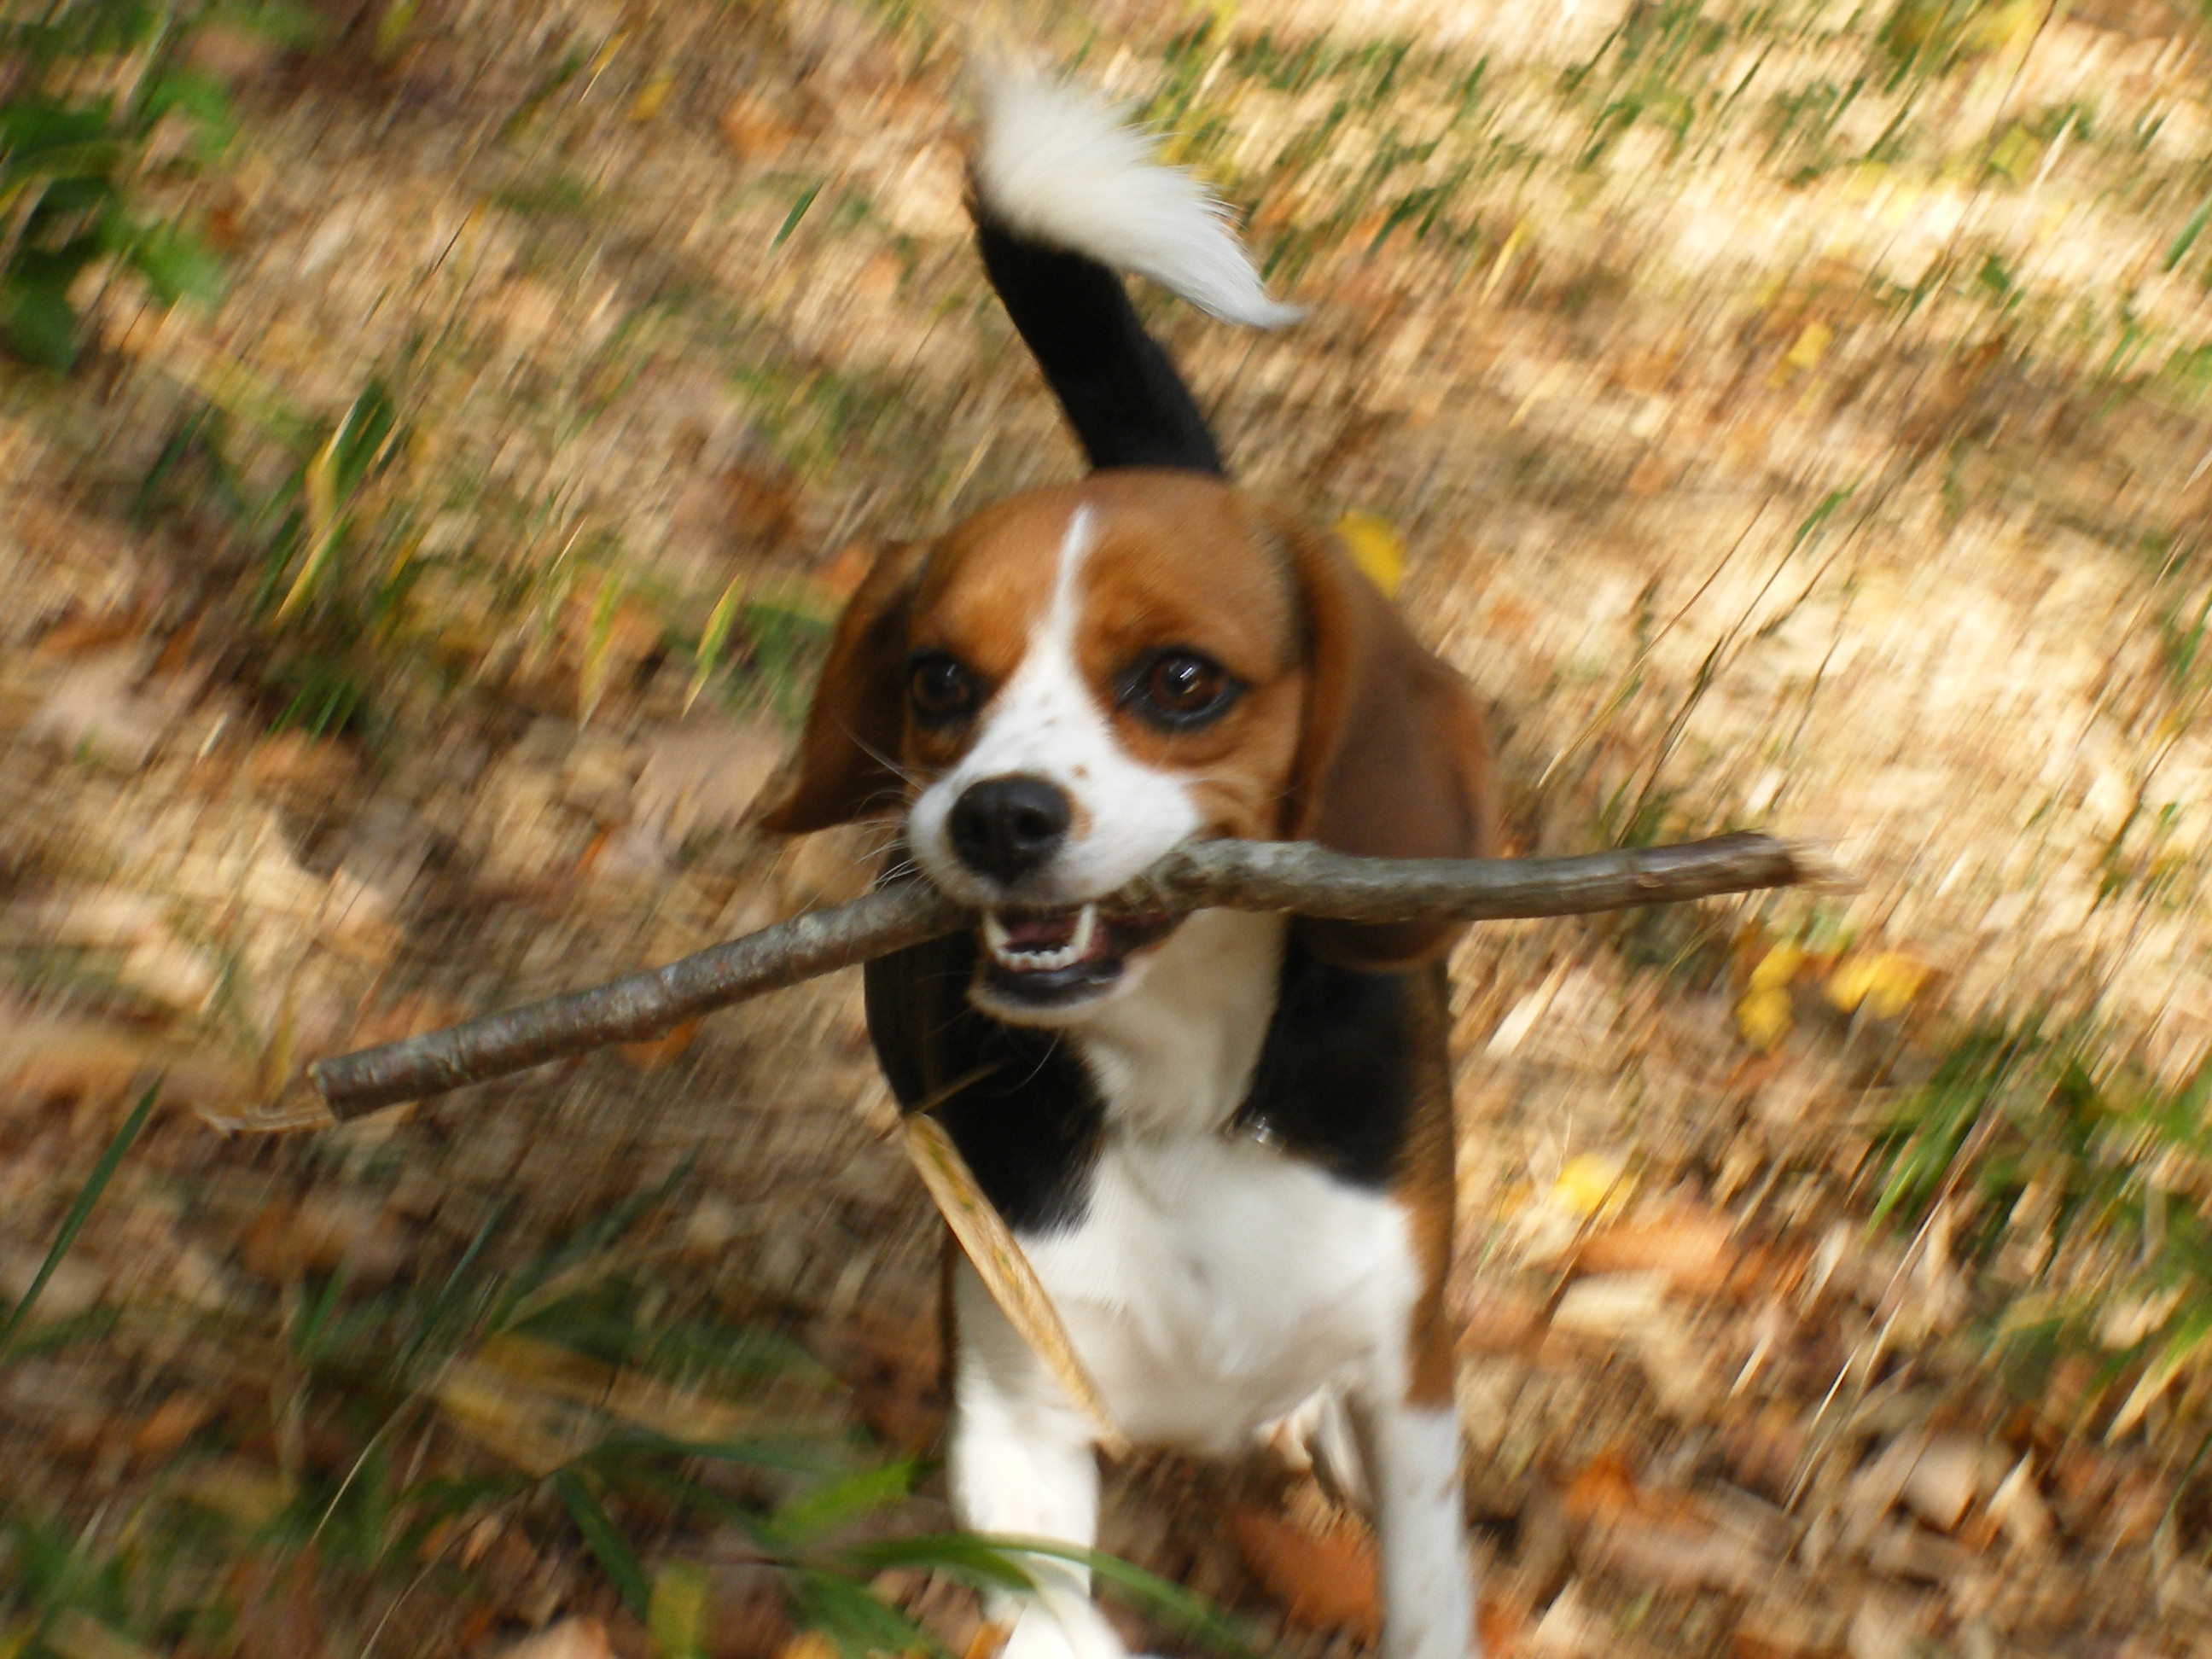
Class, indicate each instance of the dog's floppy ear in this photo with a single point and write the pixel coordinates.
(1393, 758)
(844, 766)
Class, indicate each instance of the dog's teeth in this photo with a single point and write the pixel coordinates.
(998, 942)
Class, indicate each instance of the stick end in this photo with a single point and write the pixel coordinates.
(1818, 869)
(297, 1106)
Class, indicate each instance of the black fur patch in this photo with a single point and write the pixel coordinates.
(1030, 1127)
(1333, 1084)
(1120, 392)
(1334, 1081)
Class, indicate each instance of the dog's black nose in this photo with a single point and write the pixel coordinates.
(1006, 827)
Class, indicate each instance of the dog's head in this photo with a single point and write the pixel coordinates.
(1079, 678)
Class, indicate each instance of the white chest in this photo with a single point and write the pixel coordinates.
(1215, 1285)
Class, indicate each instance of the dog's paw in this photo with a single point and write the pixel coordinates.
(1062, 1626)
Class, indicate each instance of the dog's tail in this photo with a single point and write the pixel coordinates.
(1064, 197)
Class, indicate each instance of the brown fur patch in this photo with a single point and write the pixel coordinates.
(1424, 1185)
(1347, 732)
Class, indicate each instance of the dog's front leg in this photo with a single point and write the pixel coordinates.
(1412, 1453)
(1022, 1464)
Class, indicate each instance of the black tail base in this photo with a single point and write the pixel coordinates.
(1121, 392)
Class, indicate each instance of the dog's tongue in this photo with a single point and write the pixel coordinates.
(1040, 932)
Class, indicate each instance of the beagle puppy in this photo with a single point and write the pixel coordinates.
(1225, 1140)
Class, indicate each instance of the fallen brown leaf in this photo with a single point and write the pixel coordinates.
(572, 1638)
(755, 132)
(896, 1373)
(74, 1286)
(1668, 1540)
(323, 1233)
(78, 1635)
(704, 773)
(295, 761)
(1781, 1627)
(61, 1059)
(248, 1493)
(1494, 1318)
(1324, 1583)
(539, 1405)
(749, 1617)
(103, 705)
(2018, 1508)
(168, 1425)
(405, 1017)
(1502, 1627)
(657, 1052)
(1943, 1480)
(1689, 1248)
(1681, 1554)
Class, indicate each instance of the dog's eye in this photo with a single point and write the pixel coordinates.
(1180, 689)
(939, 688)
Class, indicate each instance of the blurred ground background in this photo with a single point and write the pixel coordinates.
(434, 438)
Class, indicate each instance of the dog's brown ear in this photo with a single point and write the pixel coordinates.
(845, 765)
(1393, 761)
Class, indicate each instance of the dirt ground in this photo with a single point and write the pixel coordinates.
(1791, 416)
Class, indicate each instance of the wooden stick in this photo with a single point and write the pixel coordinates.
(1241, 875)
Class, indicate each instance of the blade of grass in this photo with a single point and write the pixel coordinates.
(1198, 1616)
(841, 1500)
(2194, 228)
(605, 1541)
(854, 1621)
(713, 639)
(73, 1223)
(972, 1560)
(798, 212)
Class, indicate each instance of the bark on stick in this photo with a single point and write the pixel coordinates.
(1243, 875)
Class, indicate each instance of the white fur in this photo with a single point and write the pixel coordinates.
(1047, 722)
(1060, 166)
(1174, 1056)
(1411, 1454)
(1213, 1285)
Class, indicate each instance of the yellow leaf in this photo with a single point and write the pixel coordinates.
(2016, 155)
(76, 1634)
(1776, 968)
(319, 488)
(1811, 346)
(1375, 548)
(1590, 1183)
(1512, 245)
(2002, 28)
(1764, 1016)
(392, 27)
(997, 1256)
(598, 647)
(677, 1614)
(237, 1490)
(1883, 980)
(2177, 1354)
(650, 97)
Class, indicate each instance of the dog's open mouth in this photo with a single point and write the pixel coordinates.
(1046, 957)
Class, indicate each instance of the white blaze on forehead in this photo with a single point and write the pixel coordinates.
(1046, 722)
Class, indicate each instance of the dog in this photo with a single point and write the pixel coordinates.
(1223, 1140)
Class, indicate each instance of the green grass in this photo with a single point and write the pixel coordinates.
(372, 1483)
(73, 162)
(2078, 1185)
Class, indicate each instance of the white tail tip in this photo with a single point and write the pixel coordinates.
(1060, 166)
